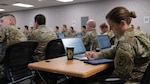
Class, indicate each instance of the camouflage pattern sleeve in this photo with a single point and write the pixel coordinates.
(2, 34)
(109, 53)
(90, 40)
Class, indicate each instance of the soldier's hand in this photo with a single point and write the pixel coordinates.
(91, 55)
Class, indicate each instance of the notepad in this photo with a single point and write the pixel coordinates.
(99, 61)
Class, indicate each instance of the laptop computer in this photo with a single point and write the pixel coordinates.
(61, 35)
(79, 48)
(103, 41)
(79, 35)
(99, 61)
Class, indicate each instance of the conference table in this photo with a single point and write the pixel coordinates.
(61, 65)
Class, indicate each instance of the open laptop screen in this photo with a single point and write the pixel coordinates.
(79, 35)
(61, 35)
(76, 42)
(103, 41)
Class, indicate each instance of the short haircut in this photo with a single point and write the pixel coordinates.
(40, 19)
(103, 25)
(84, 27)
(26, 27)
(12, 17)
(8, 15)
(57, 27)
(91, 23)
(64, 25)
(72, 28)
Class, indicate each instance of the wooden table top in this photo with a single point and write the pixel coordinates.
(73, 67)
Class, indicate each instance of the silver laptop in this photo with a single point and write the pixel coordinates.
(103, 41)
(79, 48)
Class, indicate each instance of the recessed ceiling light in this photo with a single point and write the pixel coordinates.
(2, 9)
(23, 5)
(40, 0)
(65, 0)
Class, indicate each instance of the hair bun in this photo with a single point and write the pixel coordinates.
(133, 14)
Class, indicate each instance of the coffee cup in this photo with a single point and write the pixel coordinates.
(70, 52)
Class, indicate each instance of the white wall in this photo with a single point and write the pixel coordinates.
(95, 10)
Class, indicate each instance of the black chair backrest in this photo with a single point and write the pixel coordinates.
(17, 57)
(19, 53)
(146, 76)
(55, 48)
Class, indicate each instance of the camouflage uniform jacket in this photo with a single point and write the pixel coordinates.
(90, 40)
(131, 54)
(43, 35)
(67, 33)
(57, 32)
(83, 33)
(27, 33)
(72, 34)
(9, 35)
(109, 33)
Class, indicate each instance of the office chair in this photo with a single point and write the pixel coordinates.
(54, 49)
(145, 79)
(17, 57)
(146, 76)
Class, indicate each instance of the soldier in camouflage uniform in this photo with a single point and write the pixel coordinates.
(72, 32)
(132, 47)
(89, 40)
(26, 31)
(105, 30)
(9, 34)
(42, 34)
(83, 30)
(56, 30)
(65, 30)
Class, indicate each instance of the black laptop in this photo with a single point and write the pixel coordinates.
(79, 48)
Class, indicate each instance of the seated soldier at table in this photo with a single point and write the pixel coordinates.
(9, 34)
(132, 47)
